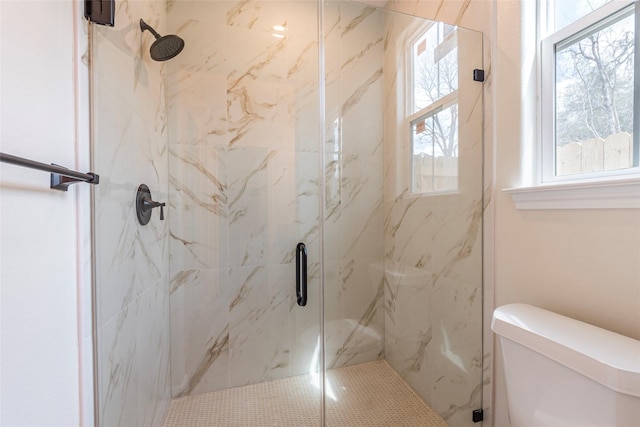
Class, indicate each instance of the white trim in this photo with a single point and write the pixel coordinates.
(611, 194)
(411, 117)
(602, 13)
(435, 107)
(411, 42)
(547, 110)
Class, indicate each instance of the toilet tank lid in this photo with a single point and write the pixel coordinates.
(609, 358)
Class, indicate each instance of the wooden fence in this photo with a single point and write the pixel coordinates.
(434, 173)
(593, 155)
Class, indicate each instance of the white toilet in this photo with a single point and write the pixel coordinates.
(563, 372)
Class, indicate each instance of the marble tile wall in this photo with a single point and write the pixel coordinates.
(242, 144)
(131, 260)
(353, 226)
(433, 245)
(244, 190)
(244, 158)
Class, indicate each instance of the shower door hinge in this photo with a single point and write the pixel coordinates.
(478, 75)
(100, 11)
(477, 415)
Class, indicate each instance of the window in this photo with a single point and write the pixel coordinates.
(589, 81)
(433, 109)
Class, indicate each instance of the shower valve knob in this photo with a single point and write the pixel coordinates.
(149, 204)
(144, 205)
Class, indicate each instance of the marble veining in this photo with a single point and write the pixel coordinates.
(212, 354)
(357, 95)
(351, 25)
(341, 356)
(416, 360)
(214, 201)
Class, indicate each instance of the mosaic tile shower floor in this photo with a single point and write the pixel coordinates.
(370, 394)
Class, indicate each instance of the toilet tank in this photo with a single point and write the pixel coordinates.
(563, 372)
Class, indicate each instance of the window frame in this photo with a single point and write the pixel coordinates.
(547, 151)
(410, 117)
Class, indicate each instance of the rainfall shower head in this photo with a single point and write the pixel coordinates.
(165, 47)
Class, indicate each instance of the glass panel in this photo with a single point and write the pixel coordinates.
(435, 64)
(569, 11)
(132, 261)
(244, 160)
(403, 272)
(595, 100)
(226, 133)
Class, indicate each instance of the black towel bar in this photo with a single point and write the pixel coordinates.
(61, 177)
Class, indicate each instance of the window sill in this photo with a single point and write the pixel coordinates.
(611, 194)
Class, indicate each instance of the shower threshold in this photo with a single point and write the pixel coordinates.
(369, 394)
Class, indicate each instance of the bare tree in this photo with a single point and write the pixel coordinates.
(435, 77)
(596, 99)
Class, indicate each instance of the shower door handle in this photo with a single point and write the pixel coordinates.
(301, 274)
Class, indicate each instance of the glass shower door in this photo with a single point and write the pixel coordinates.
(244, 182)
(227, 134)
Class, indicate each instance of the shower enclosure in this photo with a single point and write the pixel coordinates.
(354, 130)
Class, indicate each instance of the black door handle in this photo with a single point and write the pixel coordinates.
(301, 274)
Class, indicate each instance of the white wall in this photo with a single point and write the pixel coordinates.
(583, 264)
(41, 230)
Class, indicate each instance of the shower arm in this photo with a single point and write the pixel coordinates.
(144, 26)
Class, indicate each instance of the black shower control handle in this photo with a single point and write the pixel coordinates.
(145, 204)
(148, 204)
